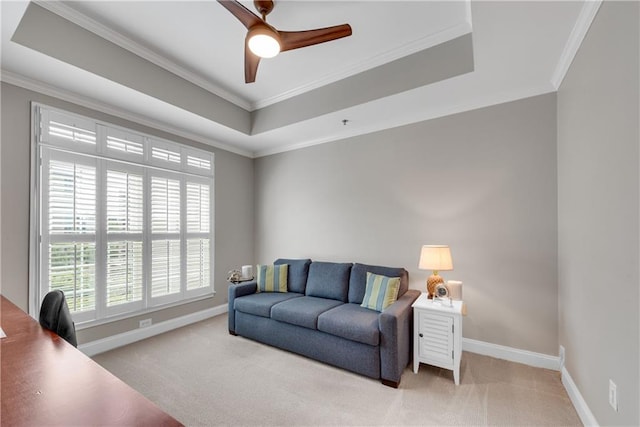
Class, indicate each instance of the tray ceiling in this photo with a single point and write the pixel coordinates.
(181, 66)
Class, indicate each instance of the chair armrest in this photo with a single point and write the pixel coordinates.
(236, 291)
(395, 324)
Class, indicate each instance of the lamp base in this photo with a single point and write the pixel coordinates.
(433, 281)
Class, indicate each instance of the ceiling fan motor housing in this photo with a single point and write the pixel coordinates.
(264, 7)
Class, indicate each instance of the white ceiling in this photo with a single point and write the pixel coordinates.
(520, 49)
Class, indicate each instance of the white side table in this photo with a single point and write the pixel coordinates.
(437, 334)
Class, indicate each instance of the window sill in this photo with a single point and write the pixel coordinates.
(115, 318)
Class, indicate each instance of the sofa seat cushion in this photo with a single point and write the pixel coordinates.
(353, 322)
(303, 311)
(260, 304)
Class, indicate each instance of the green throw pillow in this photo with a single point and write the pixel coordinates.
(381, 291)
(272, 278)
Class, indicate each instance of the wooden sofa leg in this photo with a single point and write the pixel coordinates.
(390, 383)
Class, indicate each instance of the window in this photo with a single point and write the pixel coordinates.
(124, 221)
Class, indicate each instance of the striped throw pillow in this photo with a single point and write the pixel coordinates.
(272, 278)
(381, 291)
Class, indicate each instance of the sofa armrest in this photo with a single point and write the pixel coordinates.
(395, 323)
(236, 291)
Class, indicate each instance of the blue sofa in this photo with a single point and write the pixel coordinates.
(320, 317)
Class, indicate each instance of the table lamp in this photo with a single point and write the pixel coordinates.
(436, 258)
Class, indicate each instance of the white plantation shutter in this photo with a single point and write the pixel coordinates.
(124, 226)
(71, 132)
(165, 205)
(70, 230)
(124, 202)
(199, 162)
(197, 207)
(166, 258)
(72, 198)
(198, 242)
(165, 155)
(68, 130)
(72, 270)
(198, 273)
(125, 221)
(124, 272)
(124, 145)
(165, 265)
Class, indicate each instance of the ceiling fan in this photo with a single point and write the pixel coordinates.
(264, 41)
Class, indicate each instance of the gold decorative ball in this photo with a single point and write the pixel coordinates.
(432, 282)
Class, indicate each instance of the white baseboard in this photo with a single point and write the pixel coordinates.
(530, 358)
(585, 414)
(100, 346)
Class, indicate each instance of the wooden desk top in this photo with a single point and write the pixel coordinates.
(46, 381)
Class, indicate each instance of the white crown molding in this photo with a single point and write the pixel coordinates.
(375, 61)
(468, 15)
(585, 414)
(106, 33)
(109, 343)
(65, 95)
(585, 18)
(526, 357)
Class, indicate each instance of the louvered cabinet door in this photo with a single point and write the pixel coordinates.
(436, 339)
(437, 330)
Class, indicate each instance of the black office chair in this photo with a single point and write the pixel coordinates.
(55, 316)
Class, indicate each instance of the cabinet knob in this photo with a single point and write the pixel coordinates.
(420, 335)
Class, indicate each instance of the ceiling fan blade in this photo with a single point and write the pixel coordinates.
(243, 14)
(296, 39)
(251, 62)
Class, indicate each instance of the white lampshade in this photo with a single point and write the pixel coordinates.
(435, 257)
(263, 41)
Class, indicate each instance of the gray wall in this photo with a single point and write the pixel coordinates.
(233, 208)
(598, 190)
(483, 182)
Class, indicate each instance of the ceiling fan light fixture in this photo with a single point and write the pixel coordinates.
(263, 41)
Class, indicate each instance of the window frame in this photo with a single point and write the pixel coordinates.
(104, 159)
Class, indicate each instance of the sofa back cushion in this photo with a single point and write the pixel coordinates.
(358, 279)
(298, 272)
(329, 280)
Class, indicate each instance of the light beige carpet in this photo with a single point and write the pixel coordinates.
(203, 376)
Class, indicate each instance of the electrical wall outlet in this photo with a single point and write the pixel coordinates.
(613, 395)
(144, 323)
(561, 357)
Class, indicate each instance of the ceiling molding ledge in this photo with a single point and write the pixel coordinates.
(421, 69)
(478, 103)
(585, 18)
(65, 95)
(124, 42)
(376, 61)
(52, 35)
